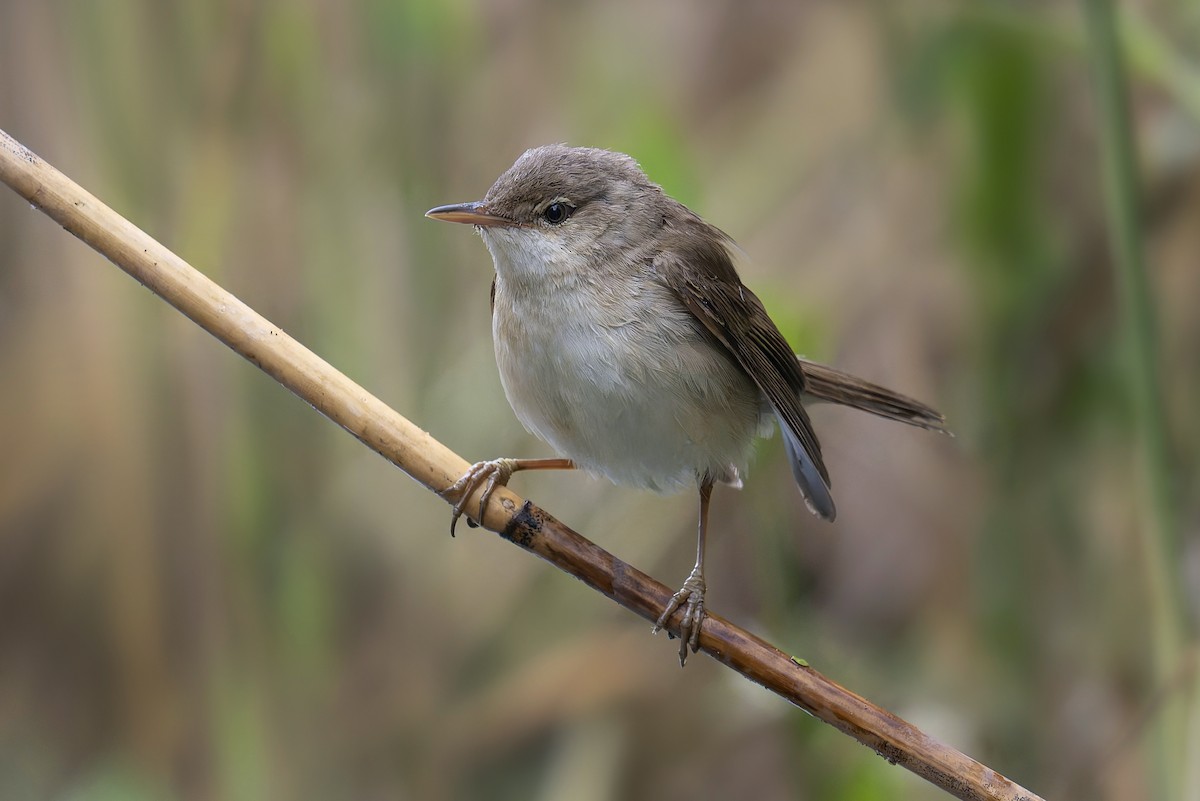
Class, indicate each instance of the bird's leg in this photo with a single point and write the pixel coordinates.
(692, 591)
(491, 474)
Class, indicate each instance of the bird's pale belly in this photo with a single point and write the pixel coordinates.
(643, 400)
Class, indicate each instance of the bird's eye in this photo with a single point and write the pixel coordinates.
(557, 212)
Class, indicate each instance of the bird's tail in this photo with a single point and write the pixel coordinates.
(827, 384)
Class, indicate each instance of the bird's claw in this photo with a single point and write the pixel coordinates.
(491, 474)
(691, 597)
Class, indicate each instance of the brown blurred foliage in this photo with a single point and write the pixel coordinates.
(208, 592)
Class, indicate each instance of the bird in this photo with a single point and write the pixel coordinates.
(626, 340)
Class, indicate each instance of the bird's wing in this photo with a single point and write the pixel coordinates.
(699, 270)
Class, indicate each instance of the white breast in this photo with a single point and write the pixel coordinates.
(621, 381)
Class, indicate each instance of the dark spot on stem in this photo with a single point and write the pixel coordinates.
(524, 526)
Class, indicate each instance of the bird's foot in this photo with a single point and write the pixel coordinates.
(691, 598)
(490, 474)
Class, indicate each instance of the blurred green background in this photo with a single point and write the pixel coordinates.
(209, 592)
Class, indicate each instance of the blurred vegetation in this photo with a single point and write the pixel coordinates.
(208, 591)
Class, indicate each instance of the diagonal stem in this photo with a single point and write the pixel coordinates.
(434, 465)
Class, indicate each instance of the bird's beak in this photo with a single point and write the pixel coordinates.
(470, 213)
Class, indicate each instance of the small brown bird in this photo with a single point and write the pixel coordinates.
(626, 341)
